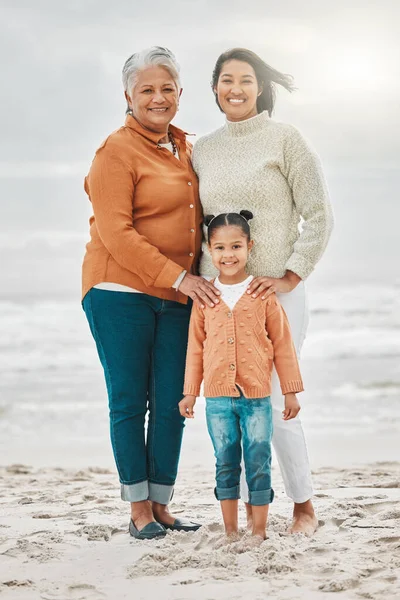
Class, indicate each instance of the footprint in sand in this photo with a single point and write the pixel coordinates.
(377, 507)
(79, 591)
(84, 592)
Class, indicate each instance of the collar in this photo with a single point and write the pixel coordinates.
(247, 127)
(153, 136)
(245, 282)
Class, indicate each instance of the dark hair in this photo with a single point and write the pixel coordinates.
(234, 219)
(267, 77)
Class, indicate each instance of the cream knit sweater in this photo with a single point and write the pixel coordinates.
(266, 167)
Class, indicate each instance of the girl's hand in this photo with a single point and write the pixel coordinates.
(186, 406)
(268, 285)
(200, 290)
(292, 407)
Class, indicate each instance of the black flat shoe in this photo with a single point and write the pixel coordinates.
(181, 525)
(149, 531)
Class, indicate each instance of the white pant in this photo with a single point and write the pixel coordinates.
(288, 437)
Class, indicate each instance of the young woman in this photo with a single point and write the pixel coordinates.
(271, 165)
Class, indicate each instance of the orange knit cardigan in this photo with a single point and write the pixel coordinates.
(146, 223)
(230, 348)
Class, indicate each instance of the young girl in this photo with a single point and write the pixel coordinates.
(233, 347)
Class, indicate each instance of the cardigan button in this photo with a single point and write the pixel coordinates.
(189, 183)
(229, 315)
(191, 205)
(230, 340)
(191, 254)
(232, 367)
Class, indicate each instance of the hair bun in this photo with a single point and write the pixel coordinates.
(207, 219)
(246, 214)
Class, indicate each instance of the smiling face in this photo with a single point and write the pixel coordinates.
(237, 90)
(229, 248)
(154, 99)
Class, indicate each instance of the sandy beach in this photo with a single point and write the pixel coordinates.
(63, 534)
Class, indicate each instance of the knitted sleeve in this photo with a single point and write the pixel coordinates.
(285, 357)
(196, 155)
(303, 171)
(110, 186)
(194, 355)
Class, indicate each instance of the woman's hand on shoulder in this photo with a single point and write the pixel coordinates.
(268, 285)
(200, 290)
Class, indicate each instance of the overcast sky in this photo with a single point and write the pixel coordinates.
(62, 94)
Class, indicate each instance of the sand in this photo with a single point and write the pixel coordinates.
(64, 535)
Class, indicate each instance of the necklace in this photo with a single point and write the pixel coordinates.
(173, 144)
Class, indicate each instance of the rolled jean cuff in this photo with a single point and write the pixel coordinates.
(160, 493)
(135, 492)
(232, 493)
(261, 497)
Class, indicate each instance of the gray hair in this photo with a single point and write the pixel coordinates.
(154, 56)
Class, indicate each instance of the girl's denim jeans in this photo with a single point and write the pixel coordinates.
(233, 423)
(141, 341)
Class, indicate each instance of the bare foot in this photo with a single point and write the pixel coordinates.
(141, 514)
(304, 519)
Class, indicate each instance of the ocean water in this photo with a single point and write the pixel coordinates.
(53, 400)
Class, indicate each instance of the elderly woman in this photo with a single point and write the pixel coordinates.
(138, 272)
(268, 167)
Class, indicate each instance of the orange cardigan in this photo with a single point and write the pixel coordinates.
(238, 347)
(146, 227)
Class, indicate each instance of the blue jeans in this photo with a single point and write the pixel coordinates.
(141, 341)
(231, 423)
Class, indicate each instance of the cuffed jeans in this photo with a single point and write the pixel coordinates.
(141, 341)
(233, 423)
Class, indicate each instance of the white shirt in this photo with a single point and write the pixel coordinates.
(230, 294)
